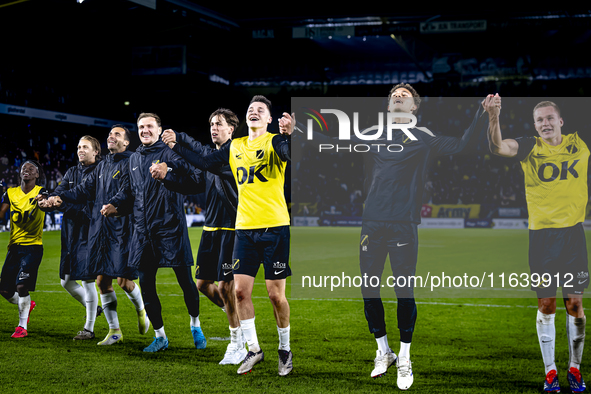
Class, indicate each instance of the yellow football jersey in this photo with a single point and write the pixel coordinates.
(26, 219)
(260, 177)
(556, 183)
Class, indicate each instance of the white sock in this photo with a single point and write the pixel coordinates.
(13, 299)
(383, 346)
(284, 338)
(404, 350)
(236, 335)
(135, 296)
(250, 335)
(195, 321)
(74, 289)
(91, 296)
(575, 332)
(109, 301)
(160, 332)
(24, 306)
(547, 339)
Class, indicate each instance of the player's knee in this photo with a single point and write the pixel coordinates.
(126, 284)
(547, 305)
(241, 294)
(574, 306)
(22, 290)
(202, 285)
(277, 298)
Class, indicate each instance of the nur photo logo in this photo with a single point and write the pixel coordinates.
(376, 131)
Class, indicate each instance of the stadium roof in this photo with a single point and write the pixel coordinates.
(89, 56)
(301, 40)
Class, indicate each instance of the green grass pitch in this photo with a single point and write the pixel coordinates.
(478, 340)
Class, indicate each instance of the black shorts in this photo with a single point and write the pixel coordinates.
(398, 240)
(269, 246)
(558, 256)
(214, 258)
(21, 267)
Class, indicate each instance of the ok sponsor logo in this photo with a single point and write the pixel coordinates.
(244, 175)
(549, 172)
(19, 217)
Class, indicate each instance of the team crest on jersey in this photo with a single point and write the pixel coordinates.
(235, 264)
(116, 175)
(572, 149)
(197, 270)
(364, 242)
(260, 154)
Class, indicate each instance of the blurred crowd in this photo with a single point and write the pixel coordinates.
(476, 177)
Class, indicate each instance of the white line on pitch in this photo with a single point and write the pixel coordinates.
(360, 300)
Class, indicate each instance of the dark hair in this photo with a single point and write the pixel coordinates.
(547, 104)
(412, 90)
(261, 99)
(127, 132)
(150, 115)
(41, 180)
(228, 115)
(96, 145)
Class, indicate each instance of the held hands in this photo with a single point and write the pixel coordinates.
(287, 123)
(169, 137)
(159, 171)
(492, 104)
(42, 201)
(51, 202)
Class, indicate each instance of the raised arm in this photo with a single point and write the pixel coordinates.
(496, 143)
(171, 137)
(282, 145)
(282, 142)
(444, 145)
(211, 162)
